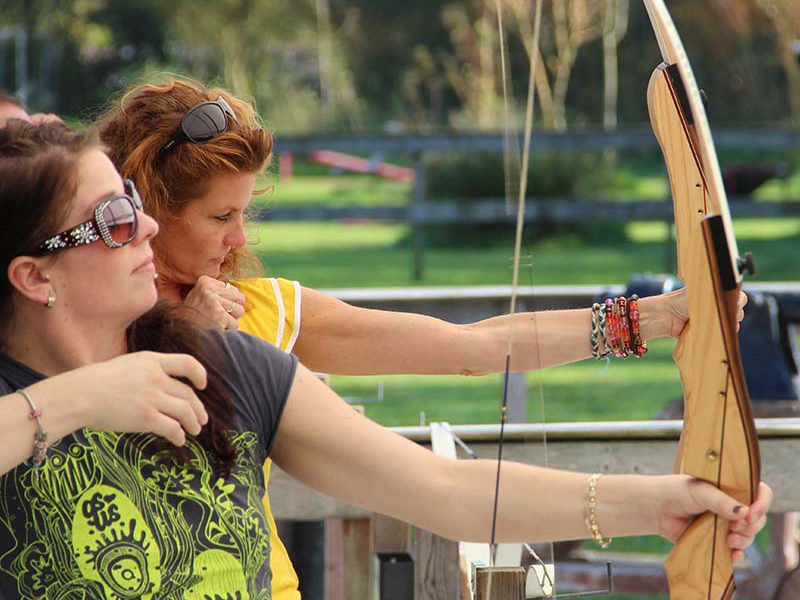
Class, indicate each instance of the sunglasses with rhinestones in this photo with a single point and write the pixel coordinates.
(201, 123)
(114, 222)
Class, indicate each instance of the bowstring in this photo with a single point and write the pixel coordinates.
(513, 165)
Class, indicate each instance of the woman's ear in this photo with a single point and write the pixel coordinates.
(27, 276)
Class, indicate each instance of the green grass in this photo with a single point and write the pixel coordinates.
(572, 393)
(340, 191)
(320, 184)
(330, 255)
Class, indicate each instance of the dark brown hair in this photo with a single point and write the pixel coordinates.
(38, 181)
(161, 330)
(38, 171)
(136, 128)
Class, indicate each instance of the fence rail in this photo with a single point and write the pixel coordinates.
(421, 211)
(560, 209)
(629, 139)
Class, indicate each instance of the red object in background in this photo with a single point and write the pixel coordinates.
(285, 166)
(356, 164)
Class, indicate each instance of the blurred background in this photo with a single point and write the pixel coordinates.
(423, 65)
(390, 168)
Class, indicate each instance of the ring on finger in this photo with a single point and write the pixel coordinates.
(229, 310)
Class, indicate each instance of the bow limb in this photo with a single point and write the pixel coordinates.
(718, 443)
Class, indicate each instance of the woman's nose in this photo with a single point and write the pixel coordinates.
(148, 226)
(236, 237)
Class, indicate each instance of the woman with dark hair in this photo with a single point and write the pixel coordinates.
(195, 154)
(110, 509)
(11, 107)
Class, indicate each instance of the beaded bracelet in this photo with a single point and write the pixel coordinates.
(615, 328)
(611, 327)
(624, 326)
(590, 512)
(39, 438)
(639, 345)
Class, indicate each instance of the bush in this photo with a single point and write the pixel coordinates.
(479, 176)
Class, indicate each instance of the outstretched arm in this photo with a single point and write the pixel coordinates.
(336, 337)
(326, 444)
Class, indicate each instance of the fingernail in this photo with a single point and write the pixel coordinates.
(737, 508)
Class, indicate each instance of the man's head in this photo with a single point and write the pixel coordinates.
(12, 107)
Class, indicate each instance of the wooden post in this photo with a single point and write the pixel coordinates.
(334, 561)
(389, 535)
(348, 561)
(415, 220)
(358, 561)
(437, 572)
(500, 583)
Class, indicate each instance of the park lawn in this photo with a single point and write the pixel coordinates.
(368, 254)
(333, 190)
(585, 391)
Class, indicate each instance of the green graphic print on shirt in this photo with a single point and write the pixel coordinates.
(119, 522)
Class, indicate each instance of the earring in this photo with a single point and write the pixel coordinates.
(51, 300)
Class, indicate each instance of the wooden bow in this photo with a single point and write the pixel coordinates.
(719, 442)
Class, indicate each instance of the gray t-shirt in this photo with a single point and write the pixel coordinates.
(108, 520)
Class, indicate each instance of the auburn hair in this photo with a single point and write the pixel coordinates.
(135, 130)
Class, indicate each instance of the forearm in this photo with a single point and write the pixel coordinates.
(61, 409)
(324, 443)
(551, 338)
(536, 504)
(346, 340)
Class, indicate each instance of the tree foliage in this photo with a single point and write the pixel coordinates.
(419, 64)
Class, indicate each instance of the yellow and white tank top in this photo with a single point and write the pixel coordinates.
(272, 313)
(272, 310)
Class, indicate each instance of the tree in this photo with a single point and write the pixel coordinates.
(784, 15)
(284, 53)
(615, 25)
(473, 69)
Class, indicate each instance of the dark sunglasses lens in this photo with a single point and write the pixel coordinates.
(120, 218)
(204, 122)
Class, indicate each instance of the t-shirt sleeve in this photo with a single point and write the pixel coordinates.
(272, 310)
(260, 378)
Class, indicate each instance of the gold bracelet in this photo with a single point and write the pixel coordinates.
(590, 512)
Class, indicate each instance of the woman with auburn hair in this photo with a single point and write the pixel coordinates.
(156, 492)
(195, 153)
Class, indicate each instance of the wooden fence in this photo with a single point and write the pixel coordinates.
(421, 211)
(621, 447)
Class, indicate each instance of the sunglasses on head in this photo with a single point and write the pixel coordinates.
(201, 123)
(115, 222)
